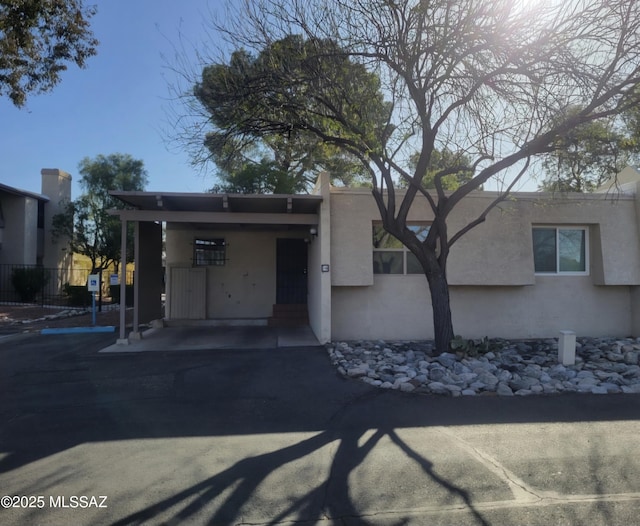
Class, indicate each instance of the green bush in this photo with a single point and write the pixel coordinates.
(77, 295)
(473, 348)
(29, 281)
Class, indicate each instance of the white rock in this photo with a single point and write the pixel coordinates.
(438, 387)
(358, 370)
(407, 387)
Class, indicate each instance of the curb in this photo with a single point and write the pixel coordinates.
(78, 330)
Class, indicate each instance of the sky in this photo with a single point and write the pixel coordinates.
(118, 104)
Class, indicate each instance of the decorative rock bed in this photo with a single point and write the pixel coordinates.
(603, 365)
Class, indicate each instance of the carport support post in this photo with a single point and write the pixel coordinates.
(123, 283)
(136, 281)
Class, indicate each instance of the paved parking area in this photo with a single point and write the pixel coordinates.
(203, 338)
(270, 436)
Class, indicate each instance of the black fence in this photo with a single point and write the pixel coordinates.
(30, 284)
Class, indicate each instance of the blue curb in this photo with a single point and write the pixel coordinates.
(78, 330)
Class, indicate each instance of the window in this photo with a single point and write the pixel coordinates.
(209, 252)
(560, 250)
(40, 214)
(390, 256)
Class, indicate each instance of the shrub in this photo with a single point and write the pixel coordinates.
(29, 281)
(77, 295)
(114, 292)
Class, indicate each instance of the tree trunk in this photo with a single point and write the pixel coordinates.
(442, 324)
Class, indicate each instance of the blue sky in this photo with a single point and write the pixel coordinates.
(116, 105)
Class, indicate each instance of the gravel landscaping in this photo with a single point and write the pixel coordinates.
(30, 318)
(603, 365)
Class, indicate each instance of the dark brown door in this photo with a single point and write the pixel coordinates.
(291, 271)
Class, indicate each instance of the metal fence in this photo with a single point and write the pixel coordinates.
(30, 284)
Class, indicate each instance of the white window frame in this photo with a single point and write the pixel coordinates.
(403, 249)
(559, 272)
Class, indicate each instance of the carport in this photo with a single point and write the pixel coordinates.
(201, 289)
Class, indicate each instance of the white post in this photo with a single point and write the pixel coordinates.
(567, 348)
(123, 283)
(136, 281)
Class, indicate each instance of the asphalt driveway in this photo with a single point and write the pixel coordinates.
(269, 436)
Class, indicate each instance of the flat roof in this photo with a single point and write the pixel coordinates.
(22, 193)
(206, 202)
(201, 210)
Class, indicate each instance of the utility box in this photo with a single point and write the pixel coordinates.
(567, 348)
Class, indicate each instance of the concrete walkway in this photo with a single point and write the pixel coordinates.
(202, 338)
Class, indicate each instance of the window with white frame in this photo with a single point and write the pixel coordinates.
(560, 250)
(390, 256)
(209, 252)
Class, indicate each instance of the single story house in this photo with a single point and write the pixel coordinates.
(540, 263)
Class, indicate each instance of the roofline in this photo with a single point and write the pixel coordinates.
(23, 193)
(124, 193)
(518, 196)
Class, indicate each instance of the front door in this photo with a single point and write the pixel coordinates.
(291, 271)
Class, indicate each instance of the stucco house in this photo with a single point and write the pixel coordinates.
(539, 264)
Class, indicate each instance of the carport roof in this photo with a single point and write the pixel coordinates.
(218, 208)
(206, 202)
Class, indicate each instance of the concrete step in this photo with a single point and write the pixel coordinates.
(294, 310)
(289, 315)
(288, 322)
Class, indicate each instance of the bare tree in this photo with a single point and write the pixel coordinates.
(490, 79)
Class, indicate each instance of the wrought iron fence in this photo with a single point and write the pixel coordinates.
(31, 284)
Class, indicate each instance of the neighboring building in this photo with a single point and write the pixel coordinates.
(540, 263)
(25, 222)
(21, 226)
(26, 231)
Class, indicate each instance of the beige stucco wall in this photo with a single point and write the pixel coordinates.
(245, 287)
(494, 289)
(319, 282)
(399, 307)
(56, 185)
(351, 259)
(499, 251)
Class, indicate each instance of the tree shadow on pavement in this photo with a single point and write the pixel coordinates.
(328, 500)
(58, 394)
